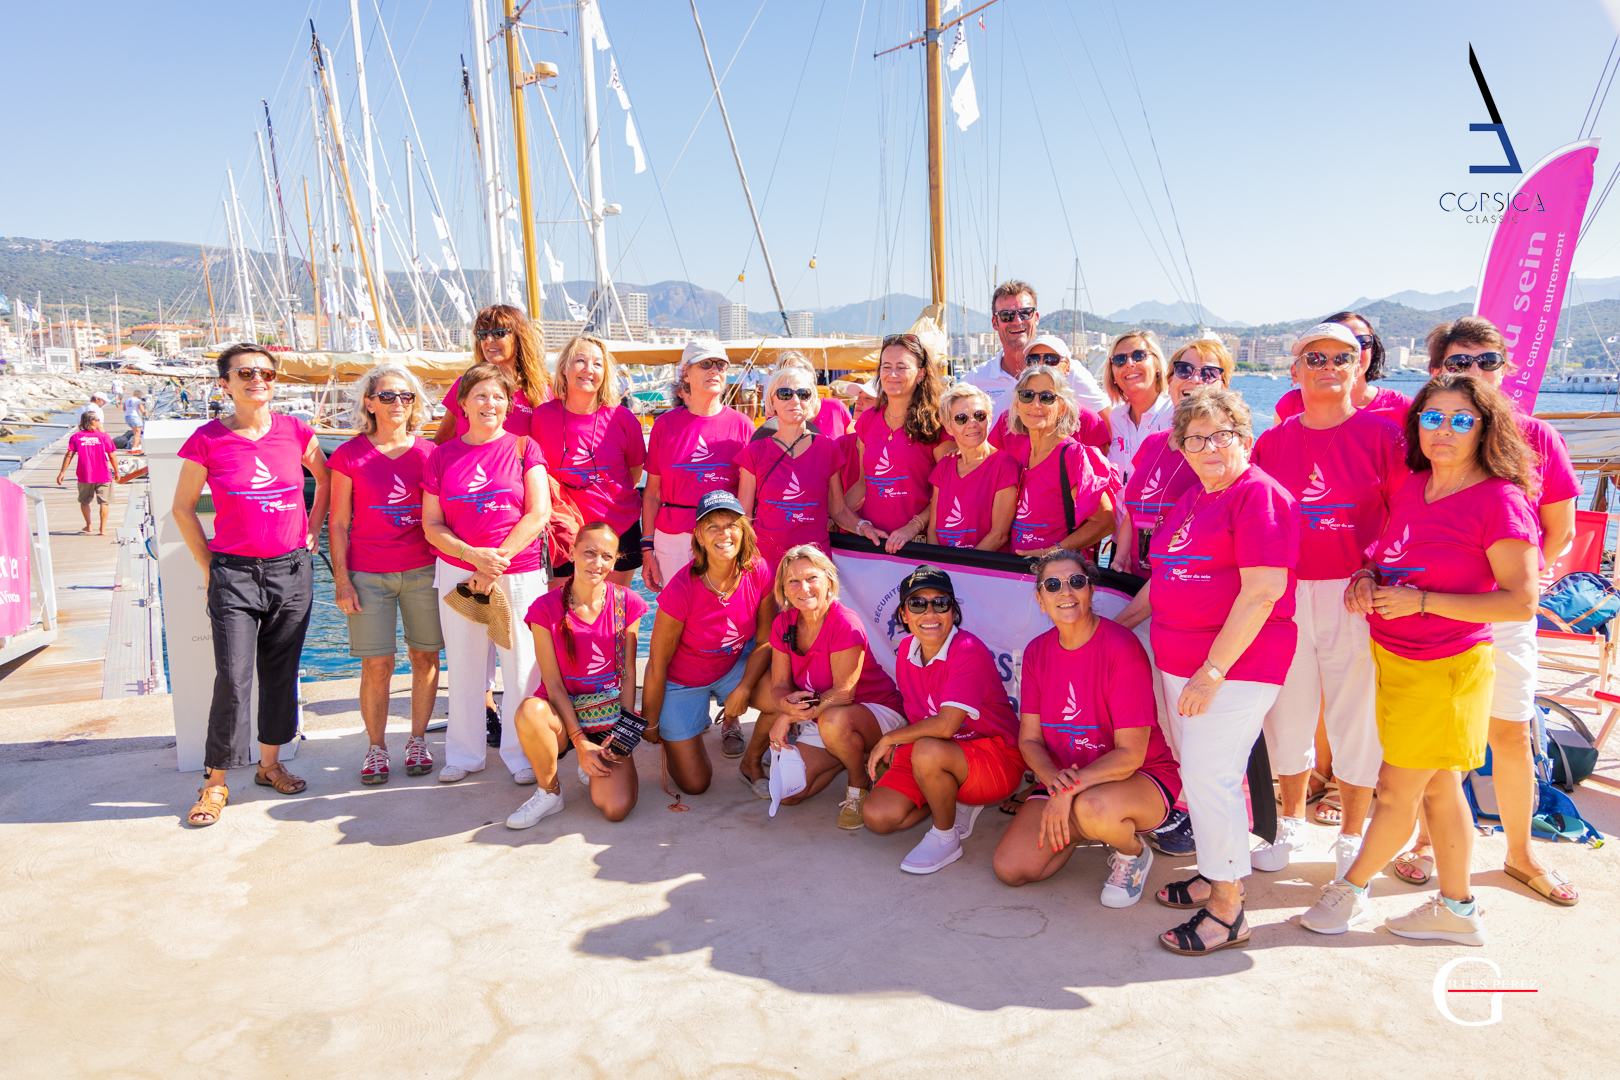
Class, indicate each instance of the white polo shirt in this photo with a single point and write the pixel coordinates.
(998, 386)
(1126, 436)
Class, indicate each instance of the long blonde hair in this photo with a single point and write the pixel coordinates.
(607, 394)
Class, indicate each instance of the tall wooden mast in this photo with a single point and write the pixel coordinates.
(936, 150)
(520, 146)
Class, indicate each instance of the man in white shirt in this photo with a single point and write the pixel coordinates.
(97, 400)
(1015, 318)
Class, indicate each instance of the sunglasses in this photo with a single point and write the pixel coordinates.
(1185, 371)
(475, 597)
(388, 397)
(788, 393)
(1321, 359)
(917, 604)
(1050, 359)
(1365, 340)
(1138, 356)
(1046, 397)
(1016, 314)
(248, 374)
(902, 339)
(711, 364)
(1218, 439)
(1487, 361)
(496, 332)
(1460, 423)
(977, 414)
(1076, 582)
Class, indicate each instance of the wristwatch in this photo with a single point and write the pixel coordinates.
(1214, 672)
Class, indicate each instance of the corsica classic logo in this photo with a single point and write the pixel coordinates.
(1490, 207)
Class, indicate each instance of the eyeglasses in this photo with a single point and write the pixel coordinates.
(1185, 371)
(475, 597)
(1076, 582)
(1365, 340)
(1046, 396)
(496, 332)
(1050, 359)
(388, 397)
(1016, 314)
(917, 604)
(248, 374)
(788, 393)
(711, 364)
(977, 414)
(1138, 356)
(1486, 361)
(1320, 359)
(1461, 423)
(1218, 439)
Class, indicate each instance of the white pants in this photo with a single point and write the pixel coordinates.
(1215, 747)
(1517, 657)
(673, 551)
(1332, 670)
(468, 650)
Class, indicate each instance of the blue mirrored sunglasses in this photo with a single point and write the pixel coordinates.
(1461, 423)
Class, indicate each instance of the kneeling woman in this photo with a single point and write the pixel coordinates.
(1087, 730)
(827, 682)
(960, 750)
(585, 643)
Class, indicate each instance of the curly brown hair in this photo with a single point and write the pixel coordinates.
(1501, 451)
(922, 423)
(529, 358)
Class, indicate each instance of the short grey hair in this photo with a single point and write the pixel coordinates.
(1215, 403)
(1067, 423)
(959, 391)
(783, 375)
(361, 419)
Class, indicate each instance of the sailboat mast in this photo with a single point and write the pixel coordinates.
(520, 147)
(329, 243)
(375, 234)
(314, 282)
(283, 307)
(280, 210)
(936, 150)
(416, 255)
(593, 172)
(489, 159)
(208, 284)
(348, 187)
(244, 287)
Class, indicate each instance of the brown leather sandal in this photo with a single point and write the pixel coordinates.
(210, 802)
(279, 778)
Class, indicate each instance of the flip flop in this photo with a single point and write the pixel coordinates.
(1543, 884)
(1329, 801)
(1414, 869)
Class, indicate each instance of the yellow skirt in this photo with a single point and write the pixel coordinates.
(1435, 714)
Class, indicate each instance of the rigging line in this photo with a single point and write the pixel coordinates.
(1604, 345)
(1581, 134)
(1591, 215)
(1605, 97)
(832, 158)
(1175, 218)
(1047, 146)
(899, 209)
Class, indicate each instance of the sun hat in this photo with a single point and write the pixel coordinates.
(1327, 331)
(787, 775)
(495, 612)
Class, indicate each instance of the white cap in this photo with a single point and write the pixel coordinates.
(1053, 342)
(1327, 331)
(870, 387)
(98, 394)
(702, 349)
(787, 775)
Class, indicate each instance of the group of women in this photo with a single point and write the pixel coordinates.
(1356, 585)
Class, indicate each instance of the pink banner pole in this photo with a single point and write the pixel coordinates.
(1521, 285)
(16, 603)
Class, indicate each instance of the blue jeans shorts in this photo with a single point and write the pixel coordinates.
(686, 708)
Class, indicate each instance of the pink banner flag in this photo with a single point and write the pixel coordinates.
(1521, 286)
(15, 604)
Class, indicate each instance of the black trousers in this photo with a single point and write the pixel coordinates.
(259, 609)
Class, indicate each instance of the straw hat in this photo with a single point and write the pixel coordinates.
(492, 609)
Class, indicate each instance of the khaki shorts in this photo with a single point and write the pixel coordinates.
(95, 493)
(386, 599)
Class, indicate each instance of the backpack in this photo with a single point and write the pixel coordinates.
(1555, 816)
(1578, 603)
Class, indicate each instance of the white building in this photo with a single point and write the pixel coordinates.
(733, 321)
(635, 308)
(801, 323)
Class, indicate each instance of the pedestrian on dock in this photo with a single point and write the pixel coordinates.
(96, 468)
(382, 564)
(260, 567)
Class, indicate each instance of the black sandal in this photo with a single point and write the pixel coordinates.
(1178, 895)
(1188, 943)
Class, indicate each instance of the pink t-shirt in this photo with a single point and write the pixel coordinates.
(1196, 575)
(962, 513)
(1441, 546)
(791, 494)
(1556, 479)
(592, 458)
(257, 487)
(519, 411)
(1392, 405)
(833, 418)
(1342, 480)
(693, 455)
(1159, 476)
(90, 464)
(849, 445)
(1090, 430)
(1039, 520)
(841, 630)
(897, 471)
(481, 492)
(385, 525)
(713, 634)
(1083, 697)
(592, 668)
(963, 674)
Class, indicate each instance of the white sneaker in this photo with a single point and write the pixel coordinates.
(1129, 874)
(1345, 850)
(1292, 834)
(937, 851)
(584, 777)
(1433, 919)
(541, 804)
(1338, 910)
(451, 773)
(523, 777)
(965, 817)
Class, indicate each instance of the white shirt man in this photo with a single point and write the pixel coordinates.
(1016, 329)
(97, 400)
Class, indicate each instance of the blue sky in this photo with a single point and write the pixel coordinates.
(1304, 150)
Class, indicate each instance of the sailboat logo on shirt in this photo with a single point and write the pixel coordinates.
(599, 672)
(1320, 515)
(261, 475)
(273, 500)
(793, 492)
(479, 480)
(700, 451)
(953, 531)
(400, 493)
(793, 504)
(1317, 487)
(1395, 552)
(1069, 726)
(881, 468)
(1024, 531)
(598, 660)
(1388, 572)
(1153, 485)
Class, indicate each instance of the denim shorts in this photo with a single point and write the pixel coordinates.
(686, 708)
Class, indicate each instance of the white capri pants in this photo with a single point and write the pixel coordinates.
(1215, 747)
(673, 551)
(1517, 656)
(1332, 667)
(468, 651)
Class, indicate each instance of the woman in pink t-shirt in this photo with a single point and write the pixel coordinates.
(976, 488)
(1222, 601)
(594, 453)
(485, 505)
(508, 339)
(382, 564)
(585, 635)
(1052, 352)
(1380, 400)
(97, 468)
(1458, 553)
(1042, 442)
(1086, 726)
(899, 441)
(835, 701)
(261, 578)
